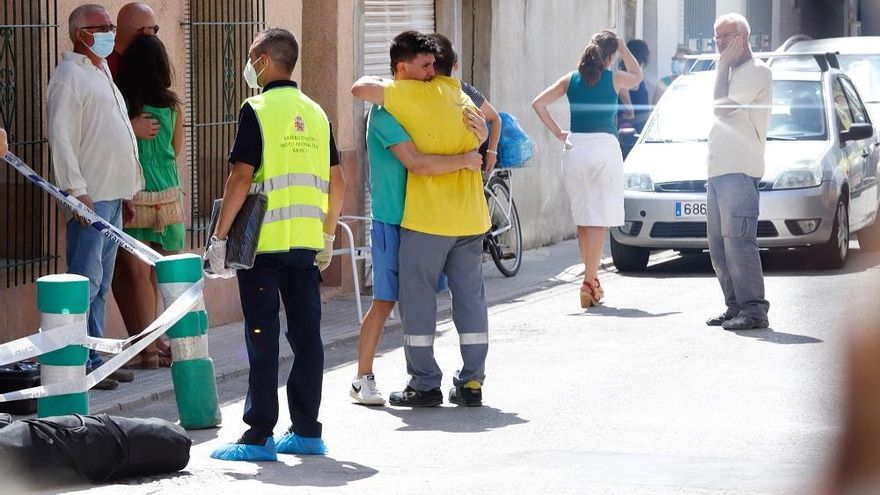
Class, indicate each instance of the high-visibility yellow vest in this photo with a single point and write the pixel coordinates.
(295, 171)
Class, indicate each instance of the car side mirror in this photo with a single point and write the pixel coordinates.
(857, 132)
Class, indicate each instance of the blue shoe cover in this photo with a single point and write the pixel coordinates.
(243, 452)
(291, 443)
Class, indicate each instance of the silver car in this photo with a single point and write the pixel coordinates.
(820, 182)
(859, 58)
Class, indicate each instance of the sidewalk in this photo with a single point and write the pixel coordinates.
(542, 268)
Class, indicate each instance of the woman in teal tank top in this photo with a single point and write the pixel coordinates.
(145, 81)
(592, 166)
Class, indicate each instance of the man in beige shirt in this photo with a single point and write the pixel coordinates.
(743, 88)
(4, 147)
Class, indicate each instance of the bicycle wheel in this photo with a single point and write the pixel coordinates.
(505, 236)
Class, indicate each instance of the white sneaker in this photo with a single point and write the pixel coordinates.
(363, 390)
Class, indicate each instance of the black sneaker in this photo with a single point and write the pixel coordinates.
(122, 376)
(106, 384)
(719, 320)
(411, 397)
(469, 394)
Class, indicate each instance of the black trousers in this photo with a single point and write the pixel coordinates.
(294, 276)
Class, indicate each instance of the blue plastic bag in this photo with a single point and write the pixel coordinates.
(515, 148)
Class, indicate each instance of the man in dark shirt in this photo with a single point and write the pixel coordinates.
(278, 151)
(134, 19)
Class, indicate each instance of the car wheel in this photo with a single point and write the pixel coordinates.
(869, 237)
(629, 258)
(833, 253)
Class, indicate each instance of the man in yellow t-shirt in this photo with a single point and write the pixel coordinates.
(444, 219)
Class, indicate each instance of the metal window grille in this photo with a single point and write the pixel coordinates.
(760, 15)
(218, 34)
(29, 219)
(699, 18)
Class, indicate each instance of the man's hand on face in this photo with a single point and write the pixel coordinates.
(86, 200)
(732, 52)
(145, 126)
(476, 123)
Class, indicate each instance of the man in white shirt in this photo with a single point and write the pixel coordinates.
(743, 91)
(94, 152)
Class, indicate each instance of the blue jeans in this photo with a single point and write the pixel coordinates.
(732, 227)
(93, 256)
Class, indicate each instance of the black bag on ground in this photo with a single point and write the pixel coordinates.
(244, 235)
(18, 376)
(97, 448)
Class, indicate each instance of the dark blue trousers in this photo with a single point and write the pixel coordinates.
(294, 276)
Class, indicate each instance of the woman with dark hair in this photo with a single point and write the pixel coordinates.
(636, 103)
(592, 165)
(145, 82)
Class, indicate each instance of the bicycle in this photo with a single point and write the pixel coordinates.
(503, 241)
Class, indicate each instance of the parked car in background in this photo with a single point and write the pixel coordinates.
(859, 58)
(820, 183)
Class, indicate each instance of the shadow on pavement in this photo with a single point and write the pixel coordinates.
(454, 419)
(604, 310)
(202, 436)
(769, 335)
(788, 263)
(317, 471)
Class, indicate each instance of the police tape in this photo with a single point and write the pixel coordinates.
(115, 234)
(75, 333)
(43, 342)
(190, 298)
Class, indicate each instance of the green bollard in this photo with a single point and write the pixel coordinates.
(63, 299)
(192, 370)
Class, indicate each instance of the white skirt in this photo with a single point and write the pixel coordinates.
(592, 170)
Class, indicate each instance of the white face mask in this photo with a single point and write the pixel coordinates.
(251, 76)
(104, 43)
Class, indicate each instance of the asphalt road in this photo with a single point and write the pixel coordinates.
(637, 396)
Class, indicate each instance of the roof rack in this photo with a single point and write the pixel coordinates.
(825, 60)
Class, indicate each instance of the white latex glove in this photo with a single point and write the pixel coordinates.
(215, 254)
(325, 256)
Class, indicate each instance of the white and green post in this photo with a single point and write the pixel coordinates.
(192, 370)
(63, 300)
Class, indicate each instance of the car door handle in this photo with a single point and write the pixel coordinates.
(866, 152)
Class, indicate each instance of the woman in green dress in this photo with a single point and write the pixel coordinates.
(145, 82)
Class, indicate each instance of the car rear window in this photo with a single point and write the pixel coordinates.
(685, 113)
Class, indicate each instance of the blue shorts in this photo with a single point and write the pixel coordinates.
(385, 247)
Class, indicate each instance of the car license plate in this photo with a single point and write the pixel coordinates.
(690, 209)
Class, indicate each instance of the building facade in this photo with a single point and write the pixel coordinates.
(509, 49)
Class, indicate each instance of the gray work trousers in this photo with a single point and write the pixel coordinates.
(732, 230)
(423, 257)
